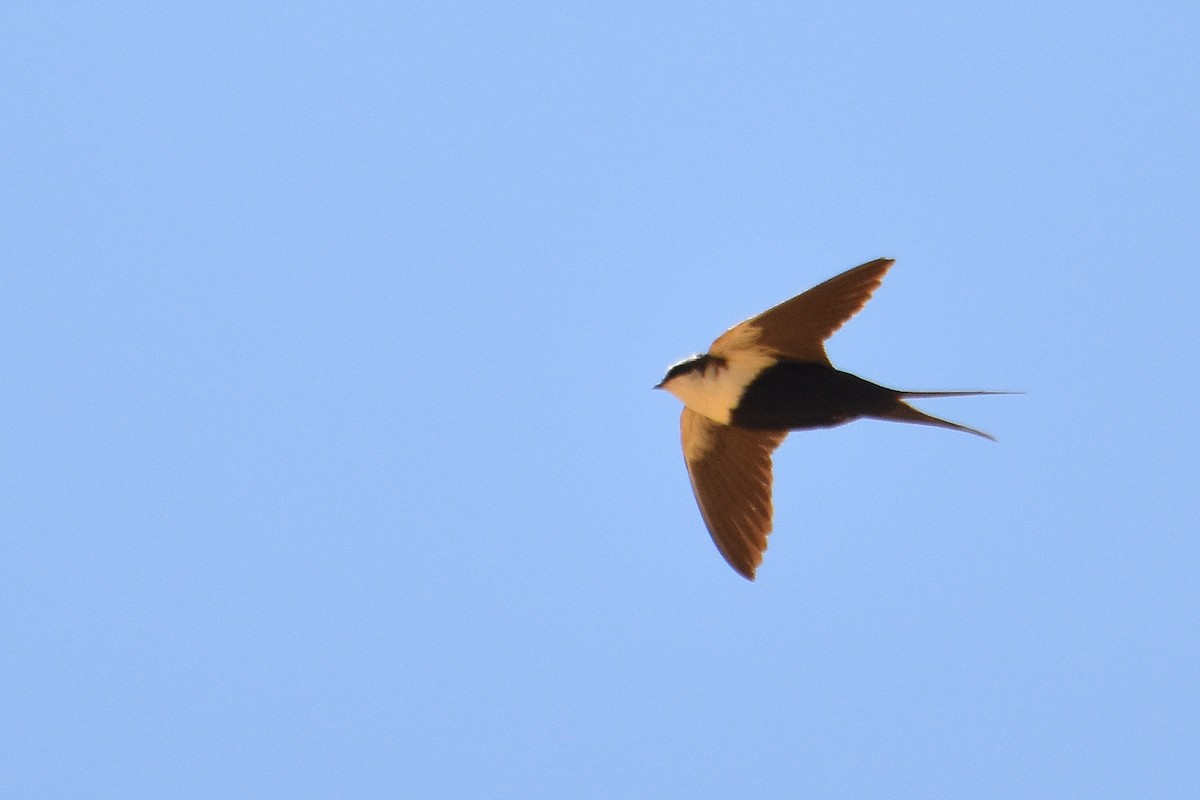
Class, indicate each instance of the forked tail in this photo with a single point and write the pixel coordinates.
(903, 412)
(947, 394)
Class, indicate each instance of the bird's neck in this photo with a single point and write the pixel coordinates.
(716, 391)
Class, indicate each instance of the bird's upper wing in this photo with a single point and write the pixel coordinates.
(797, 328)
(730, 470)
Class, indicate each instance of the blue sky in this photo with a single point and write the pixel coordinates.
(332, 466)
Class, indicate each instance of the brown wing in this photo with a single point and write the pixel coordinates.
(730, 470)
(798, 328)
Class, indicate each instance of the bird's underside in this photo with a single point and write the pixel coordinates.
(761, 379)
(795, 395)
(730, 465)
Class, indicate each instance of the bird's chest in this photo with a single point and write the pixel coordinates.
(716, 391)
(794, 395)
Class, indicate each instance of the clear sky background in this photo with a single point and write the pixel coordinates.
(331, 466)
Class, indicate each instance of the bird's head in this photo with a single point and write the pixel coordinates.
(684, 377)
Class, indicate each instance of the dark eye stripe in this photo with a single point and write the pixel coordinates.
(698, 364)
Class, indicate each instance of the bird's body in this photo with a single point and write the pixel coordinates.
(794, 395)
(761, 379)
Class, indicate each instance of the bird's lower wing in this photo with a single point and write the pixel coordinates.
(730, 469)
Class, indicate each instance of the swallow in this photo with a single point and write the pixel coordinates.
(761, 379)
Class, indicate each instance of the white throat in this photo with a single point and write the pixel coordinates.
(716, 391)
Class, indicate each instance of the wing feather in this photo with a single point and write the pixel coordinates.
(730, 470)
(797, 328)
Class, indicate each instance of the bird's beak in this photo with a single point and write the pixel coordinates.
(658, 386)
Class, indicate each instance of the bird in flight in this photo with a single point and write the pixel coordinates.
(761, 379)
